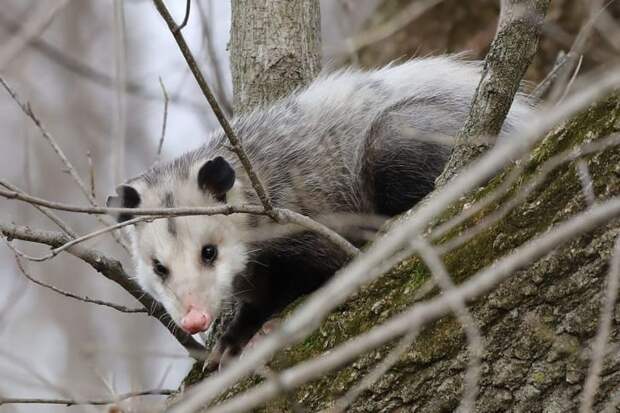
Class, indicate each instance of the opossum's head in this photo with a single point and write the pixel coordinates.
(188, 262)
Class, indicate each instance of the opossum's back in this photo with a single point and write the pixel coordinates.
(315, 150)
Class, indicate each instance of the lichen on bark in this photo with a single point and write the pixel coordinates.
(537, 325)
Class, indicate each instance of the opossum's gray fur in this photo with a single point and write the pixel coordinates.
(310, 148)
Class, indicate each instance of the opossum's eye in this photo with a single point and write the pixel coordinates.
(208, 254)
(160, 269)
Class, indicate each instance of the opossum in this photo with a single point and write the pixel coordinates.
(352, 142)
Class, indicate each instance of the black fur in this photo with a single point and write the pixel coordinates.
(127, 197)
(217, 177)
(279, 272)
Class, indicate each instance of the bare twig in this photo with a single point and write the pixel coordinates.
(220, 86)
(476, 346)
(572, 79)
(83, 238)
(164, 120)
(575, 53)
(25, 107)
(91, 167)
(98, 402)
(604, 328)
(58, 56)
(180, 27)
(549, 165)
(119, 131)
(117, 307)
(542, 88)
(236, 146)
(283, 216)
(53, 217)
(375, 375)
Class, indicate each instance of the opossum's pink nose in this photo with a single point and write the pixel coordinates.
(195, 321)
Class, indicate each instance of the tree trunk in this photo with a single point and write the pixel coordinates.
(275, 48)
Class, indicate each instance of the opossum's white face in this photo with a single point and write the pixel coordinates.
(188, 263)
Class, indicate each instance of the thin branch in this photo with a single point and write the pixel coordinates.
(164, 120)
(572, 79)
(577, 50)
(91, 168)
(83, 238)
(25, 107)
(604, 329)
(185, 18)
(587, 185)
(476, 346)
(53, 217)
(375, 375)
(119, 129)
(213, 56)
(76, 402)
(117, 307)
(400, 20)
(236, 146)
(542, 88)
(282, 216)
(549, 165)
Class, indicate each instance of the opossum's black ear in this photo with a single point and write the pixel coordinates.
(217, 177)
(127, 197)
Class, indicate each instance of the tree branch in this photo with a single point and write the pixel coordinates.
(510, 55)
(76, 402)
(117, 307)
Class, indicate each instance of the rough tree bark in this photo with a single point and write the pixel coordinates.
(511, 53)
(275, 47)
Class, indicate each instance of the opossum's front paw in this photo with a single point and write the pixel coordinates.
(221, 356)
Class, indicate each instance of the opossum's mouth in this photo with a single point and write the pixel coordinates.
(195, 321)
